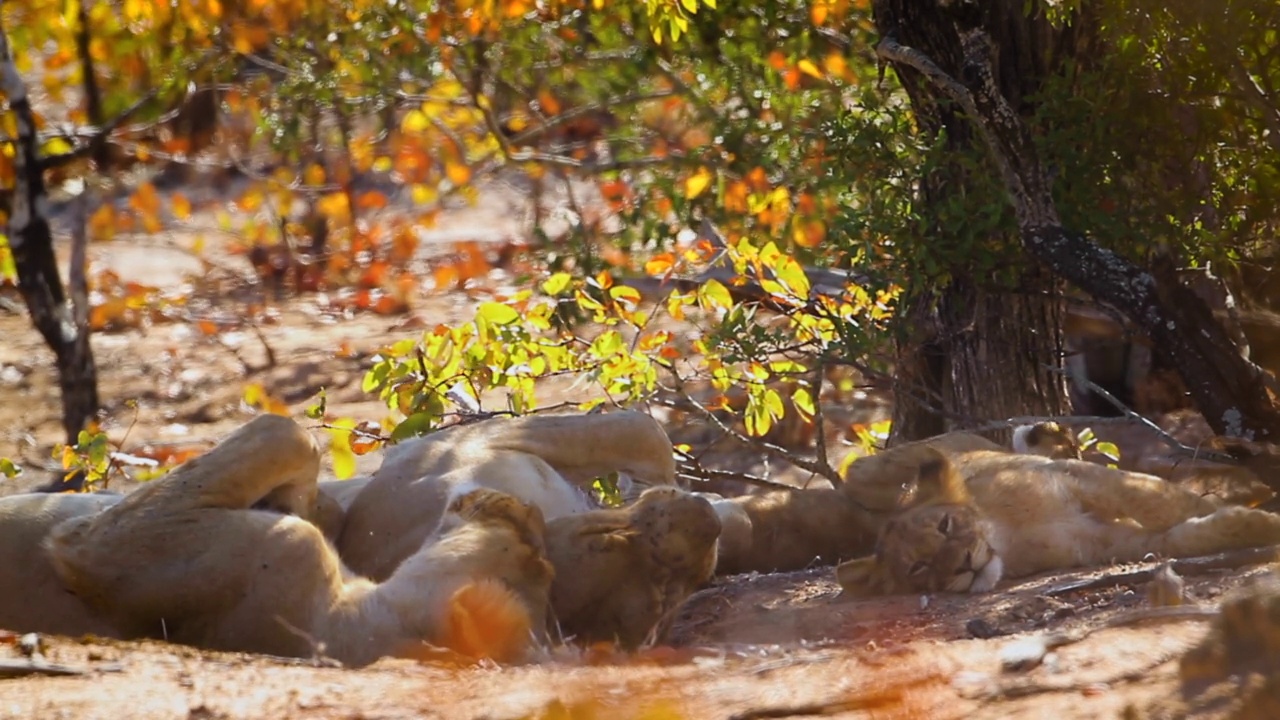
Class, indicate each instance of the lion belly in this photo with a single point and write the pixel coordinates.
(37, 600)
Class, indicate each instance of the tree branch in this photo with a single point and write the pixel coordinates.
(97, 136)
(1227, 388)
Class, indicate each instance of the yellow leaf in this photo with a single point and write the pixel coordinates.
(697, 183)
(791, 274)
(498, 313)
(622, 293)
(807, 67)
(803, 403)
(835, 65)
(56, 146)
(334, 205)
(713, 294)
(557, 283)
(422, 194)
(340, 452)
(415, 121)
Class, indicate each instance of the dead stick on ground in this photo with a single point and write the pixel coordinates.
(1230, 560)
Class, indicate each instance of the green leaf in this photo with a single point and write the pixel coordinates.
(713, 294)
(9, 469)
(803, 403)
(498, 313)
(1109, 450)
(557, 283)
(316, 411)
(791, 274)
(416, 424)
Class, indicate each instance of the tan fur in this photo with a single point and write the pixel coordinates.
(621, 573)
(791, 529)
(185, 557)
(546, 460)
(1048, 439)
(784, 530)
(980, 516)
(332, 502)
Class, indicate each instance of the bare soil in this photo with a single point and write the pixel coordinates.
(749, 647)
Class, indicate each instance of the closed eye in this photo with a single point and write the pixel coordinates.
(944, 525)
(918, 567)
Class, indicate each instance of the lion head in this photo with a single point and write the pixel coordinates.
(1048, 439)
(937, 542)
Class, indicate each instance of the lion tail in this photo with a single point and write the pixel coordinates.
(485, 619)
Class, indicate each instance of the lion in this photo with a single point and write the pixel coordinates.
(621, 573)
(975, 518)
(188, 559)
(546, 460)
(791, 529)
(1048, 439)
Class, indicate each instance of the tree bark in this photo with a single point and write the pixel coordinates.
(1229, 390)
(978, 351)
(31, 241)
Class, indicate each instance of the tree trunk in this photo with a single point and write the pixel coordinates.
(31, 241)
(953, 53)
(979, 351)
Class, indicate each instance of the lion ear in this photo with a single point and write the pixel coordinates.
(863, 577)
(468, 497)
(938, 482)
(612, 540)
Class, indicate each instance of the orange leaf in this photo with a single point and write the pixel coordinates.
(363, 442)
(446, 276)
(548, 102)
(314, 174)
(660, 264)
(372, 200)
(180, 206)
(818, 13)
(458, 173)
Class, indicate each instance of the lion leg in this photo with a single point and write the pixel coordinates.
(1153, 502)
(582, 447)
(1228, 528)
(269, 461)
(256, 581)
(225, 579)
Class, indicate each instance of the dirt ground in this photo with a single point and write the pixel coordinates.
(749, 647)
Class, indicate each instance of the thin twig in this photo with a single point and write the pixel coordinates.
(819, 467)
(1129, 414)
(692, 471)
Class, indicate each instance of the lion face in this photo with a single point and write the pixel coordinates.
(936, 548)
(927, 549)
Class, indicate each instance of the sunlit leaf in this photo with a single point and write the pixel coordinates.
(697, 183)
(341, 456)
(660, 264)
(498, 313)
(9, 469)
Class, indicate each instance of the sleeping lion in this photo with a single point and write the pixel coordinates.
(976, 517)
(188, 558)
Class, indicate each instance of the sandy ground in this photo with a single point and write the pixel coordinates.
(749, 647)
